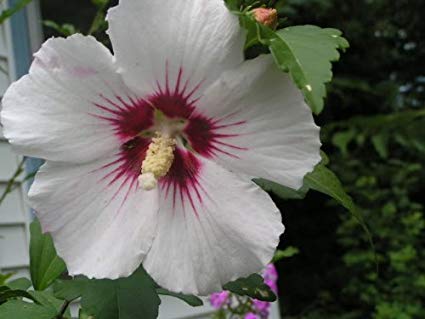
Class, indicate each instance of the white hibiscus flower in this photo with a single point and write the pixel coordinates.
(150, 152)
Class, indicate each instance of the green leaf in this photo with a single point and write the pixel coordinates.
(47, 299)
(286, 192)
(306, 52)
(45, 265)
(252, 286)
(70, 289)
(126, 298)
(4, 288)
(281, 254)
(18, 309)
(280, 190)
(20, 283)
(100, 3)
(13, 294)
(65, 29)
(4, 278)
(323, 180)
(380, 143)
(191, 300)
(343, 139)
(6, 14)
(98, 23)
(233, 5)
(83, 315)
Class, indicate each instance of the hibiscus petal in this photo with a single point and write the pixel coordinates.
(56, 112)
(213, 227)
(165, 42)
(101, 222)
(261, 125)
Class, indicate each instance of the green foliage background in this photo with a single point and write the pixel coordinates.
(374, 135)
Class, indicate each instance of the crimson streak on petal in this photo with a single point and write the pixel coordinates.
(206, 138)
(128, 117)
(182, 181)
(126, 166)
(131, 117)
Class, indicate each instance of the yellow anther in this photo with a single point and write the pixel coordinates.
(158, 160)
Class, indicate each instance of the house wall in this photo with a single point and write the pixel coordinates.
(14, 214)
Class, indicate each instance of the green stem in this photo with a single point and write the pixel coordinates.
(99, 16)
(12, 181)
(62, 311)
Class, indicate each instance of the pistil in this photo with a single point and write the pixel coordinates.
(158, 160)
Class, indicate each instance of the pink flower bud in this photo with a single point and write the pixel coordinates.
(265, 16)
(219, 299)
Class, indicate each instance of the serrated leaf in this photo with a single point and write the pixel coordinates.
(18, 309)
(252, 286)
(126, 298)
(286, 253)
(306, 52)
(233, 5)
(191, 300)
(45, 264)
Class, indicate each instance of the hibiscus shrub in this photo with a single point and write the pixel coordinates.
(375, 137)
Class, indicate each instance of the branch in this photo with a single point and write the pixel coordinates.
(62, 311)
(11, 182)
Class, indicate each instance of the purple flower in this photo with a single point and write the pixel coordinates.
(270, 276)
(272, 285)
(251, 316)
(218, 299)
(270, 273)
(262, 308)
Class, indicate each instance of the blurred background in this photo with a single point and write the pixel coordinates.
(374, 134)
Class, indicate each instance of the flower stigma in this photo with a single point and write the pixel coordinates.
(158, 160)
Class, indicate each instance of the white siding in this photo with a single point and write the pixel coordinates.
(14, 215)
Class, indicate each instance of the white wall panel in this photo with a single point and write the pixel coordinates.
(12, 210)
(13, 246)
(14, 215)
(8, 161)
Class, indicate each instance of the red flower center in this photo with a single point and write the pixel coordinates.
(133, 121)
